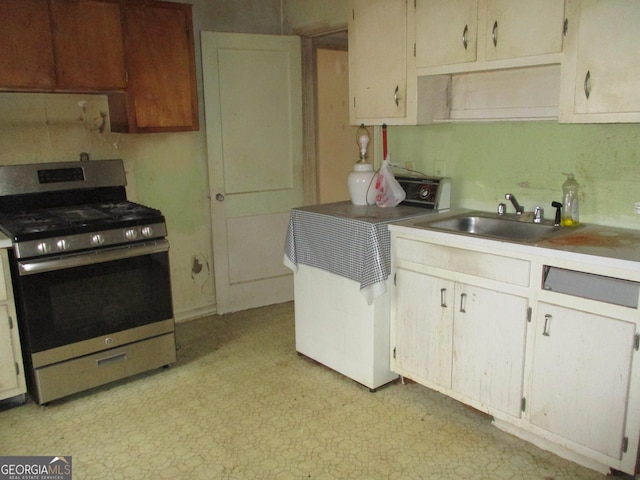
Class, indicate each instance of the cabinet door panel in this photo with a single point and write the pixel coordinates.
(489, 343)
(26, 52)
(88, 44)
(8, 376)
(160, 62)
(523, 28)
(423, 317)
(608, 46)
(442, 29)
(581, 372)
(377, 59)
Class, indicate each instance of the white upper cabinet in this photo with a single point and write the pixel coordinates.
(522, 28)
(446, 32)
(426, 61)
(602, 65)
(487, 59)
(380, 89)
(471, 35)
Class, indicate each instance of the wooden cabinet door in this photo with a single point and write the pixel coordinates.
(608, 64)
(88, 44)
(581, 373)
(423, 327)
(446, 32)
(521, 28)
(377, 60)
(26, 51)
(160, 62)
(489, 333)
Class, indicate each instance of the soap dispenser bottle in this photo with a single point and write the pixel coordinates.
(571, 210)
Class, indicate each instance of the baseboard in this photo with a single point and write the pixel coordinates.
(194, 313)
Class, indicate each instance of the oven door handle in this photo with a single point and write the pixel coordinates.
(30, 267)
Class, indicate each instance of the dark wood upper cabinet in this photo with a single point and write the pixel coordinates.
(140, 53)
(159, 49)
(88, 44)
(26, 46)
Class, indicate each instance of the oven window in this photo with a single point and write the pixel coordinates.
(75, 304)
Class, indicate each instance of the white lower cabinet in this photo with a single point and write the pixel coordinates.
(423, 343)
(12, 380)
(460, 339)
(581, 376)
(545, 342)
(489, 331)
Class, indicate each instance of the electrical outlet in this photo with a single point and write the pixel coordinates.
(637, 207)
(440, 169)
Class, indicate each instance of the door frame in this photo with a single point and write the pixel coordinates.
(335, 39)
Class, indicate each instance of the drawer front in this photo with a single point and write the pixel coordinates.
(62, 379)
(514, 271)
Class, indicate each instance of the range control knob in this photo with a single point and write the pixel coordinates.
(43, 248)
(425, 192)
(62, 244)
(146, 231)
(97, 240)
(130, 234)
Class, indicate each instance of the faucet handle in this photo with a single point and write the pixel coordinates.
(538, 215)
(502, 209)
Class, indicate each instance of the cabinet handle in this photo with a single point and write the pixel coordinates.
(465, 32)
(443, 297)
(463, 302)
(565, 27)
(494, 33)
(587, 84)
(547, 324)
(396, 97)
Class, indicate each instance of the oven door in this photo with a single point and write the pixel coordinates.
(68, 299)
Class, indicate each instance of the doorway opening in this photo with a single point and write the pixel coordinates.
(330, 141)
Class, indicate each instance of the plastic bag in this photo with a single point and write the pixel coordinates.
(389, 193)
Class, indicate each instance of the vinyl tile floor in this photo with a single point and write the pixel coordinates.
(240, 403)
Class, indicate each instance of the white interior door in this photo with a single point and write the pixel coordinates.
(253, 112)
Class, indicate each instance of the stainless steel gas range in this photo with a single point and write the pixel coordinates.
(90, 272)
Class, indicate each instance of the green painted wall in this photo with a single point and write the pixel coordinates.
(487, 160)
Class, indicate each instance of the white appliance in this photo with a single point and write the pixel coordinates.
(340, 254)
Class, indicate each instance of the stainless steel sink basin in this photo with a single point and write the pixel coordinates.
(502, 227)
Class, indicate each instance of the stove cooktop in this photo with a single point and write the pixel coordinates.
(69, 207)
(58, 221)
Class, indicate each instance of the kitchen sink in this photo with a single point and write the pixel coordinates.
(510, 228)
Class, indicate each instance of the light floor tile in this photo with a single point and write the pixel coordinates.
(241, 404)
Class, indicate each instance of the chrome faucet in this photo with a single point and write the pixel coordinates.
(516, 205)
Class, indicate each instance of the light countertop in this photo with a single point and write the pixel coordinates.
(594, 244)
(366, 213)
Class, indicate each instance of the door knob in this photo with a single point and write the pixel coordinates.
(220, 197)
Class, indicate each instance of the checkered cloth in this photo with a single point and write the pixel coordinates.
(347, 240)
